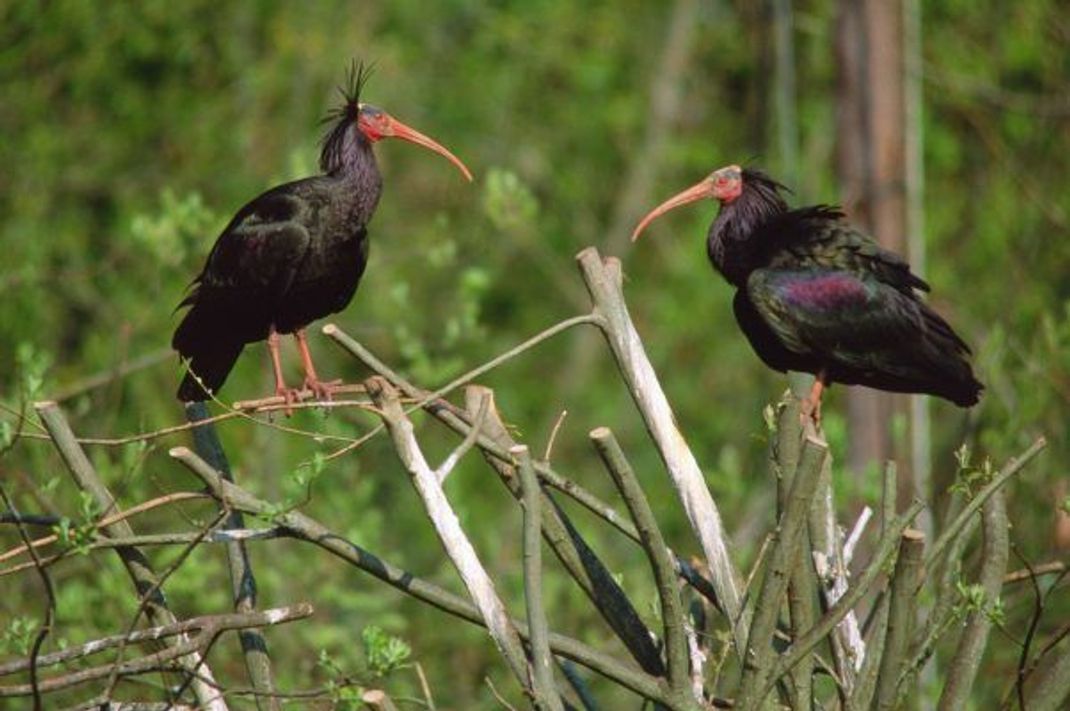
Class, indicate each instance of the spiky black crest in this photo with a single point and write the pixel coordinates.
(761, 182)
(343, 116)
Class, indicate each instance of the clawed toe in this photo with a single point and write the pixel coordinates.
(291, 396)
(321, 390)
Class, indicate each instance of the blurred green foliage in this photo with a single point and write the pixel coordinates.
(132, 131)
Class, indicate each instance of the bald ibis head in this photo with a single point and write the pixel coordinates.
(726, 185)
(356, 125)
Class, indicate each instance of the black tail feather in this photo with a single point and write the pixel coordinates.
(211, 349)
(950, 374)
(211, 365)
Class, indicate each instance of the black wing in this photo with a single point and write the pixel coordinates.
(817, 237)
(235, 299)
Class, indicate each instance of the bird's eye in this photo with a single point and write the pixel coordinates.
(721, 180)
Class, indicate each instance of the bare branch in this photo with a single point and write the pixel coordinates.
(856, 534)
(1055, 566)
(307, 397)
(784, 453)
(603, 279)
(466, 444)
(209, 627)
(787, 544)
(571, 549)
(308, 529)
(995, 553)
(563, 538)
(107, 521)
(672, 610)
(900, 616)
(242, 580)
(226, 621)
(447, 526)
(814, 636)
(137, 565)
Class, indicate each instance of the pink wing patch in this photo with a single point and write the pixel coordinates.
(829, 292)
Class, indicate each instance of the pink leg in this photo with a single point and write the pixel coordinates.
(322, 390)
(811, 405)
(290, 394)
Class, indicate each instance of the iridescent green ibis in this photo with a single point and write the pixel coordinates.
(292, 255)
(814, 294)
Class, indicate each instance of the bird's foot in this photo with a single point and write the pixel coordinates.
(290, 395)
(322, 390)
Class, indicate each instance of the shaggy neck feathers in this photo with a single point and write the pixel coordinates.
(730, 245)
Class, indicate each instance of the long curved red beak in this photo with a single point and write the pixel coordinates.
(400, 130)
(699, 191)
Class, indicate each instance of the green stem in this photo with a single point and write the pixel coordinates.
(994, 553)
(901, 613)
(672, 610)
(1012, 467)
(816, 634)
(546, 695)
(787, 547)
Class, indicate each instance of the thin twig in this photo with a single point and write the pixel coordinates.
(856, 534)
(114, 518)
(424, 686)
(304, 528)
(155, 539)
(228, 415)
(1012, 467)
(466, 444)
(553, 436)
(1055, 566)
(497, 695)
(137, 565)
(209, 627)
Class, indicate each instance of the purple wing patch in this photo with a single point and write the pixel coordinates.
(827, 291)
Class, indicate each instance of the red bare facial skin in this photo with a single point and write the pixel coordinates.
(374, 127)
(727, 183)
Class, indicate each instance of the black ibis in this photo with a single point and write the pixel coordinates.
(816, 295)
(293, 254)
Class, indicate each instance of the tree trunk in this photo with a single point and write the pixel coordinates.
(871, 165)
